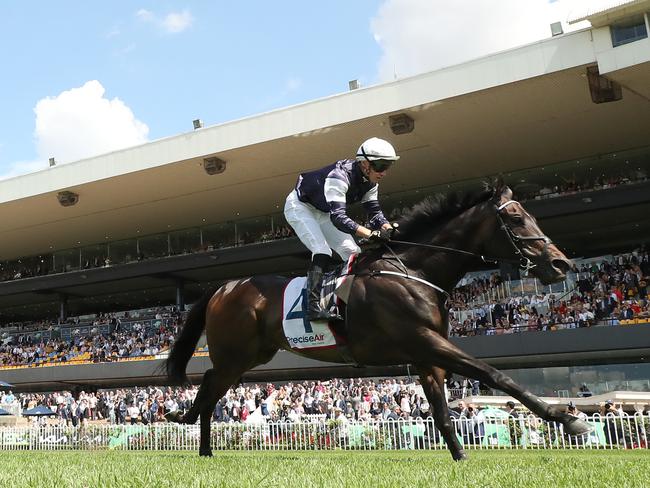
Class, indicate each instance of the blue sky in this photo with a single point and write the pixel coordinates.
(79, 78)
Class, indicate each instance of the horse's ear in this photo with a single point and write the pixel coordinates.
(500, 190)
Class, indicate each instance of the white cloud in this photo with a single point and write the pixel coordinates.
(145, 15)
(114, 32)
(424, 35)
(177, 22)
(81, 122)
(172, 23)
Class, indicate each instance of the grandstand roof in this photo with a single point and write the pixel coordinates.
(604, 13)
(522, 108)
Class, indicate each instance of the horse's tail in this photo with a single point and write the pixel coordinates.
(186, 341)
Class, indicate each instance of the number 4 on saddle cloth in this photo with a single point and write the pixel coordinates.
(299, 331)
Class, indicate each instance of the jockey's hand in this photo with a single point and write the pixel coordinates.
(381, 235)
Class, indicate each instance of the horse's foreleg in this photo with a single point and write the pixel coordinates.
(435, 349)
(432, 380)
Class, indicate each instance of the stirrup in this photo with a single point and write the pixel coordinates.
(322, 316)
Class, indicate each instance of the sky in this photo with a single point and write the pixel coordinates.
(82, 78)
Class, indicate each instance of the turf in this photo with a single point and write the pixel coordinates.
(325, 469)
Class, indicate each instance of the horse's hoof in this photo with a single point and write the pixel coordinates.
(461, 456)
(575, 426)
(205, 453)
(175, 416)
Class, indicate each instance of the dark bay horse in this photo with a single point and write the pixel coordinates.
(394, 314)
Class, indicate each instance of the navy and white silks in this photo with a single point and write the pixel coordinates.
(317, 207)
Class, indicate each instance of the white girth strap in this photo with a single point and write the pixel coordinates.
(420, 280)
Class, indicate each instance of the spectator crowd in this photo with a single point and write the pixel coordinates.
(118, 343)
(609, 291)
(346, 400)
(342, 401)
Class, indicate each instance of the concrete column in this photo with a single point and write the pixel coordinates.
(63, 307)
(180, 295)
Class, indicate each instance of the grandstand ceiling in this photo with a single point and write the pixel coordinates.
(527, 124)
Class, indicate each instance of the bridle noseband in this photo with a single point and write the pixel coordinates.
(516, 240)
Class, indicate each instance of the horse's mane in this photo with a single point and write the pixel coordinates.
(436, 209)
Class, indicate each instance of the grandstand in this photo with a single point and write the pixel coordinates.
(564, 120)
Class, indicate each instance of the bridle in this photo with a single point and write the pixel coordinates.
(516, 240)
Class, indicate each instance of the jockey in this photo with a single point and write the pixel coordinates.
(316, 209)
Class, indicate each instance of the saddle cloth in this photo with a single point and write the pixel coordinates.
(300, 332)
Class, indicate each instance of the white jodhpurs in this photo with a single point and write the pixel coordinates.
(315, 229)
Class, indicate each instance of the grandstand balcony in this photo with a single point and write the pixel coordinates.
(584, 223)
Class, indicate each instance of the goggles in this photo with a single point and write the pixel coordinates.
(380, 165)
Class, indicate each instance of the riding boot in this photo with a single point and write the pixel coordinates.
(314, 285)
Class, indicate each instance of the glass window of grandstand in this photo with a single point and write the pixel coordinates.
(218, 236)
(154, 246)
(185, 241)
(42, 265)
(600, 379)
(254, 230)
(122, 252)
(26, 267)
(281, 229)
(94, 256)
(6, 271)
(599, 172)
(67, 260)
(629, 30)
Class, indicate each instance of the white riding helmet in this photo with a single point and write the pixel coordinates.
(375, 148)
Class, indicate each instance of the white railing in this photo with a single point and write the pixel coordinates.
(14, 408)
(523, 287)
(612, 432)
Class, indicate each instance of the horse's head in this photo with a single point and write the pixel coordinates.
(523, 236)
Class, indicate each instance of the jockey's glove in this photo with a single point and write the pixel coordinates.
(381, 235)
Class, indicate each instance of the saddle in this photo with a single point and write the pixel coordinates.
(301, 333)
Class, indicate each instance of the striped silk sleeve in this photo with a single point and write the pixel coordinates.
(335, 190)
(371, 204)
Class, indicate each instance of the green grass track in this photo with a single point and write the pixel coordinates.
(512, 469)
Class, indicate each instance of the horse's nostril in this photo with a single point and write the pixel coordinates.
(563, 265)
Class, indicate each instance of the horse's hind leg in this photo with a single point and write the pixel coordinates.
(215, 384)
(432, 380)
(435, 348)
(208, 388)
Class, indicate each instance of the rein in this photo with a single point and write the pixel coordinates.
(448, 249)
(515, 240)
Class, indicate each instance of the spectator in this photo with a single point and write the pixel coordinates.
(584, 391)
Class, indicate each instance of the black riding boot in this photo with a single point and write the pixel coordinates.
(314, 285)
